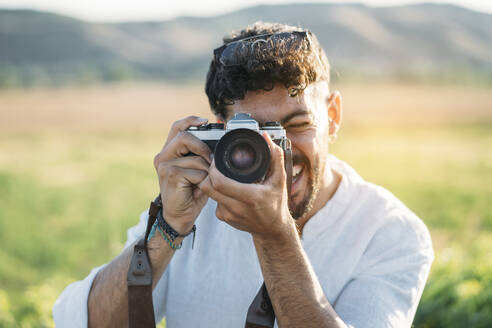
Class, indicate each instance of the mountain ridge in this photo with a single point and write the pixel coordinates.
(410, 41)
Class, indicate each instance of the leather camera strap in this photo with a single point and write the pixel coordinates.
(139, 279)
(260, 312)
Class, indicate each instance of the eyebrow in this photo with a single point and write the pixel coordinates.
(295, 113)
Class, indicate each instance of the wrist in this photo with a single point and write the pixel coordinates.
(181, 227)
(174, 242)
(284, 235)
(157, 244)
(169, 234)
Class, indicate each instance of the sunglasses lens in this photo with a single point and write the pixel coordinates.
(233, 52)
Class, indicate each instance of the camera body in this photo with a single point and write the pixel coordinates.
(240, 151)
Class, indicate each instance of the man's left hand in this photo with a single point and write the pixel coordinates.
(259, 208)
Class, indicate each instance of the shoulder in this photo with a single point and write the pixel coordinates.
(393, 218)
(397, 235)
(393, 264)
(386, 224)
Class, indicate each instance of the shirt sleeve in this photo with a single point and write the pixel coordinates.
(70, 309)
(390, 279)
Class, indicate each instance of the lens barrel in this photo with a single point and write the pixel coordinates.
(242, 155)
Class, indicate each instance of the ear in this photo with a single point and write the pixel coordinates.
(334, 104)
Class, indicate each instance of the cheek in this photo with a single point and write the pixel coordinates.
(305, 142)
(322, 128)
(312, 143)
(322, 120)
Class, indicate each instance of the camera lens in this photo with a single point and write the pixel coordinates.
(242, 156)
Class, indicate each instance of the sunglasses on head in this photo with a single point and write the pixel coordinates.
(233, 53)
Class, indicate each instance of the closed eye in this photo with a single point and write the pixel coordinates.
(299, 125)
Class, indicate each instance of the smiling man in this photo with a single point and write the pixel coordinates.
(335, 252)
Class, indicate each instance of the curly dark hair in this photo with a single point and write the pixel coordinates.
(260, 65)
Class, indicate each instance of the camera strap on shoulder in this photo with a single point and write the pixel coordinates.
(139, 277)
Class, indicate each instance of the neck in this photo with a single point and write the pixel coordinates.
(330, 184)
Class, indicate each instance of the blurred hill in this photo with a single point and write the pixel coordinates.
(414, 42)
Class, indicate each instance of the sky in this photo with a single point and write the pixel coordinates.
(131, 10)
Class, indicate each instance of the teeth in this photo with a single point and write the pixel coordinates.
(296, 170)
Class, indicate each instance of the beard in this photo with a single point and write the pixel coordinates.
(313, 173)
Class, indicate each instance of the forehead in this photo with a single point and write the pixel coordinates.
(276, 104)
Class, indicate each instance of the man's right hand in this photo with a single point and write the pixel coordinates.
(179, 175)
(182, 202)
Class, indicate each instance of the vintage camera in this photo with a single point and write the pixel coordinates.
(240, 152)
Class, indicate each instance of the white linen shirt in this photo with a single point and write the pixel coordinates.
(371, 254)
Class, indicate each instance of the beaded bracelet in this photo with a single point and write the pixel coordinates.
(171, 244)
(168, 241)
(168, 233)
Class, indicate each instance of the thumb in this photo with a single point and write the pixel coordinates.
(276, 175)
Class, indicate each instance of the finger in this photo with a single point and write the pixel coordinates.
(198, 194)
(232, 188)
(184, 124)
(183, 144)
(179, 176)
(194, 177)
(276, 175)
(222, 213)
(191, 162)
(207, 187)
(230, 217)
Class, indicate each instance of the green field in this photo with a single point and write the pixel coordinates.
(72, 184)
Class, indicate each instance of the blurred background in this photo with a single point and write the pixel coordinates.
(89, 89)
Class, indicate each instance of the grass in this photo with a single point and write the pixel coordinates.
(76, 171)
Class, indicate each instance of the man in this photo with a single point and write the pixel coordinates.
(337, 252)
